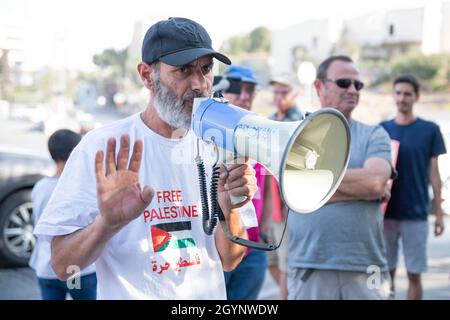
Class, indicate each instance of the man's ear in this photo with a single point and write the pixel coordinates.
(145, 72)
(318, 85)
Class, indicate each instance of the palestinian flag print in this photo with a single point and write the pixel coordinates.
(173, 235)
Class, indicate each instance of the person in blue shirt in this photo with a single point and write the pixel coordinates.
(406, 216)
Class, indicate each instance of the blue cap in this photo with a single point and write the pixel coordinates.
(244, 74)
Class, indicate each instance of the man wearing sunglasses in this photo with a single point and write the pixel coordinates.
(338, 252)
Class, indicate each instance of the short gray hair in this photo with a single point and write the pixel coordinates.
(322, 69)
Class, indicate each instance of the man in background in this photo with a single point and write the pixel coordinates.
(284, 95)
(337, 250)
(60, 145)
(406, 217)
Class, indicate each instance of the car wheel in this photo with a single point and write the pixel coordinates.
(16, 229)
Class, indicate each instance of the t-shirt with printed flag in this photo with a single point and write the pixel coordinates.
(162, 254)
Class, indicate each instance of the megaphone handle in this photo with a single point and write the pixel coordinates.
(233, 158)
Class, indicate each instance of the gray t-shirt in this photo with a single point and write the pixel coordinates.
(344, 235)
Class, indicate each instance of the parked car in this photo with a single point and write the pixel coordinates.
(18, 174)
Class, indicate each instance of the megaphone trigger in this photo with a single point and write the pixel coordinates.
(237, 201)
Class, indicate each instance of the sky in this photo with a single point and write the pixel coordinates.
(70, 32)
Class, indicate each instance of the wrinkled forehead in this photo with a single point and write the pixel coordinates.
(342, 69)
(200, 62)
(276, 86)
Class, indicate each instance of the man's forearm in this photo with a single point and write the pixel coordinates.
(231, 253)
(436, 184)
(339, 197)
(80, 248)
(362, 184)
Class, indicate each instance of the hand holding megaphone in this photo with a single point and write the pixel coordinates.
(308, 157)
(229, 162)
(237, 180)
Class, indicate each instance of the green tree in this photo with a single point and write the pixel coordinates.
(260, 39)
(432, 69)
(116, 59)
(237, 44)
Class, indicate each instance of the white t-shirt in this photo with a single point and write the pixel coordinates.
(162, 254)
(40, 259)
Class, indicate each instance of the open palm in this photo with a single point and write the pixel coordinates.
(119, 194)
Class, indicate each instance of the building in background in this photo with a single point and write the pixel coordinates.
(373, 36)
(445, 27)
(11, 58)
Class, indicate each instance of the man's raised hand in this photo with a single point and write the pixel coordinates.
(119, 194)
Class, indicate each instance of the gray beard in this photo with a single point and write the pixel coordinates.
(170, 109)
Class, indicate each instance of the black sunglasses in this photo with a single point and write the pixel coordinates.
(346, 83)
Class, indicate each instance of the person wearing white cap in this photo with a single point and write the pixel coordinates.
(284, 100)
(246, 281)
(284, 95)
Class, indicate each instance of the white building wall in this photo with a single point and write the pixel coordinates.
(445, 28)
(367, 29)
(428, 26)
(313, 35)
(408, 25)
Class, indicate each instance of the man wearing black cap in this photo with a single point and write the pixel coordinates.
(148, 243)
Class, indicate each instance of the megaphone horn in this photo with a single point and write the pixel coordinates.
(307, 157)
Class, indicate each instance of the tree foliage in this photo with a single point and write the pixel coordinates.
(116, 59)
(260, 39)
(257, 40)
(433, 69)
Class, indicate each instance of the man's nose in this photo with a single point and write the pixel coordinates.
(352, 88)
(400, 98)
(199, 82)
(245, 95)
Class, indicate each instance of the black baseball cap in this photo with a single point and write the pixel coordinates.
(178, 41)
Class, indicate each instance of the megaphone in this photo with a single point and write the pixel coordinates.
(307, 157)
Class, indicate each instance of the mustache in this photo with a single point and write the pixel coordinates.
(189, 96)
(350, 96)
